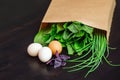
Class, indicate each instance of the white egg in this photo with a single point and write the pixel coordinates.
(45, 54)
(33, 49)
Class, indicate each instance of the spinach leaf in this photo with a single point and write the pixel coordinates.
(53, 30)
(70, 49)
(73, 28)
(65, 25)
(59, 28)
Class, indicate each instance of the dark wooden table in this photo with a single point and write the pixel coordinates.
(19, 22)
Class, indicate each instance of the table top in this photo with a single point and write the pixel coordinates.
(19, 23)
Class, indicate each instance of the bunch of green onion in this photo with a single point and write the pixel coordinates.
(93, 57)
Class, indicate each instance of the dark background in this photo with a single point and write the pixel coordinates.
(19, 22)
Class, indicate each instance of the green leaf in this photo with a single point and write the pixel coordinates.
(42, 35)
(41, 38)
(88, 30)
(53, 30)
(65, 35)
(70, 49)
(73, 28)
(49, 39)
(76, 45)
(80, 34)
(58, 36)
(65, 25)
(59, 28)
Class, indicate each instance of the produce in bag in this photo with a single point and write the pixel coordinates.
(82, 27)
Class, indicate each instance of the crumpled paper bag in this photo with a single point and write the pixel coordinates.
(95, 13)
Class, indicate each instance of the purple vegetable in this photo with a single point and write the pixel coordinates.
(58, 60)
(64, 57)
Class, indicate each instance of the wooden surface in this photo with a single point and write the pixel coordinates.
(19, 22)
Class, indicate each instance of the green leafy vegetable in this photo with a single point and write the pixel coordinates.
(70, 49)
(70, 34)
(59, 28)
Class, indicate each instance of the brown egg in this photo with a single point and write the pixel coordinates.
(55, 46)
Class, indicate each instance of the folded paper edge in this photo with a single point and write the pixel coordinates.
(111, 18)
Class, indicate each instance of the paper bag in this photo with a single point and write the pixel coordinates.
(95, 13)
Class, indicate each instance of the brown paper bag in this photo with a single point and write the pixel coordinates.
(95, 13)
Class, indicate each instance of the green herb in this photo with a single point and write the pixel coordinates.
(73, 36)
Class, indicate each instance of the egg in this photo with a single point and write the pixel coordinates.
(45, 54)
(55, 46)
(33, 49)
